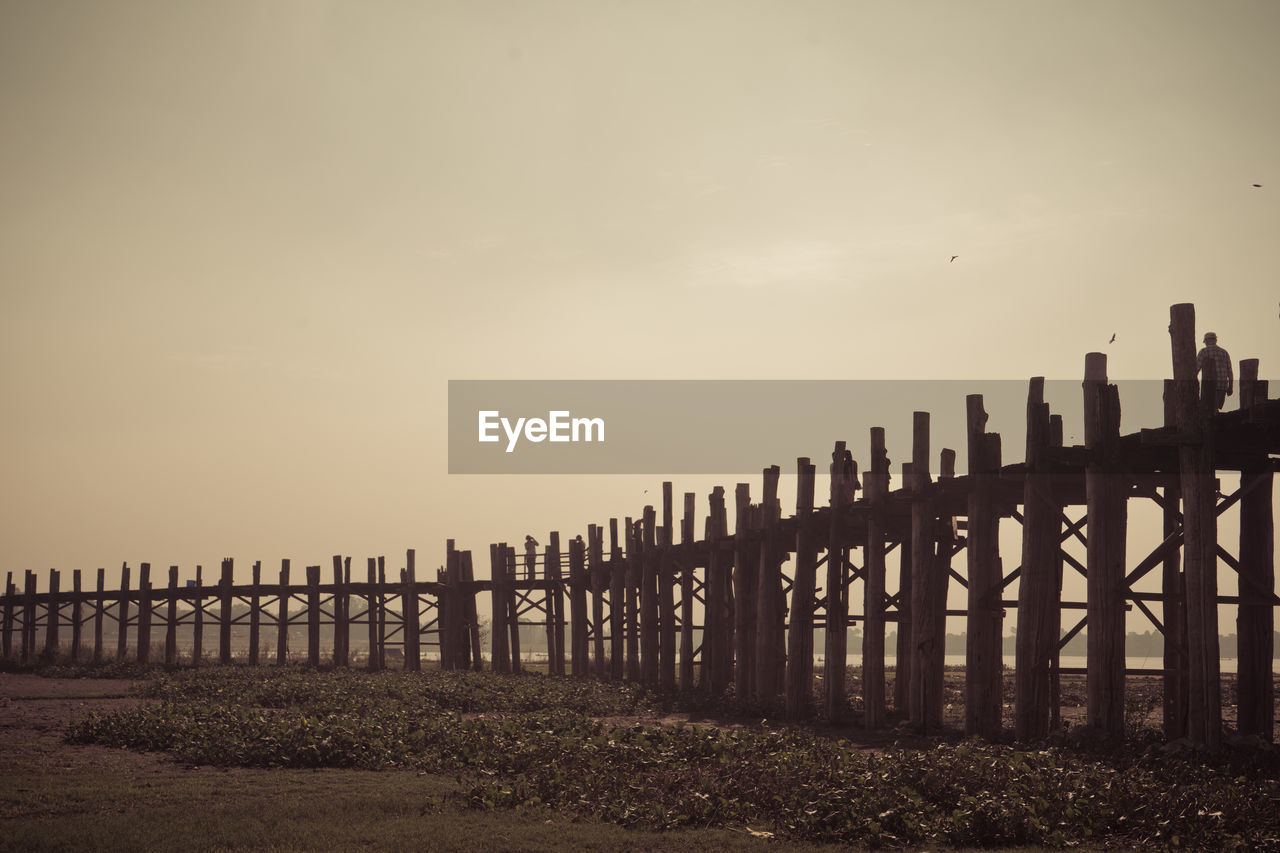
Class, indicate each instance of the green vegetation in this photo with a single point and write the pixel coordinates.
(536, 742)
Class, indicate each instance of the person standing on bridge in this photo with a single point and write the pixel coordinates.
(1214, 365)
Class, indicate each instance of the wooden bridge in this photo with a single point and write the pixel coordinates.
(633, 610)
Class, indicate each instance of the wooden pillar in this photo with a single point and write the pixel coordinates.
(412, 654)
(255, 611)
(745, 558)
(449, 617)
(1255, 622)
(649, 639)
(10, 596)
(688, 545)
(77, 616)
(513, 610)
(144, 613)
(1037, 639)
(99, 611)
(799, 683)
(122, 614)
(634, 573)
(984, 652)
(313, 615)
(171, 621)
(498, 633)
(51, 620)
(555, 609)
(341, 627)
(1173, 588)
(837, 641)
(770, 620)
(902, 649)
(28, 618)
(578, 606)
(1199, 521)
(224, 616)
(927, 588)
(470, 611)
(1105, 490)
(382, 612)
(282, 616)
(373, 606)
(596, 576)
(617, 604)
(197, 626)
(666, 611)
(717, 623)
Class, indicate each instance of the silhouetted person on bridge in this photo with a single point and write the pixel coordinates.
(1216, 377)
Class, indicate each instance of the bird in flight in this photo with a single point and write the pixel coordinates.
(1257, 185)
(953, 257)
(1113, 338)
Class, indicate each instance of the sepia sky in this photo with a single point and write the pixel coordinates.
(244, 246)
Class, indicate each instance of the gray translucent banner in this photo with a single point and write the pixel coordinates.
(741, 426)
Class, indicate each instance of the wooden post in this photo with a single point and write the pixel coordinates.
(197, 626)
(471, 613)
(10, 593)
(686, 561)
(382, 613)
(745, 558)
(122, 614)
(224, 617)
(634, 573)
(716, 644)
(596, 578)
(1105, 491)
(1037, 639)
(513, 610)
(837, 641)
(282, 617)
(578, 606)
(29, 618)
(498, 632)
(1173, 589)
(171, 621)
(1199, 522)
(555, 611)
(412, 657)
(928, 589)
(617, 603)
(452, 643)
(51, 622)
(799, 676)
(649, 638)
(77, 615)
(99, 611)
(984, 657)
(769, 635)
(313, 615)
(372, 608)
(902, 648)
(1255, 622)
(255, 611)
(341, 629)
(144, 614)
(666, 594)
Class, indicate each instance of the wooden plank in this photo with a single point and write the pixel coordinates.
(1199, 522)
(984, 658)
(1105, 490)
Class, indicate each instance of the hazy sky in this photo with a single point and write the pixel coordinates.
(245, 245)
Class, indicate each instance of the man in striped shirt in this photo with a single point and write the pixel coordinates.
(1214, 365)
